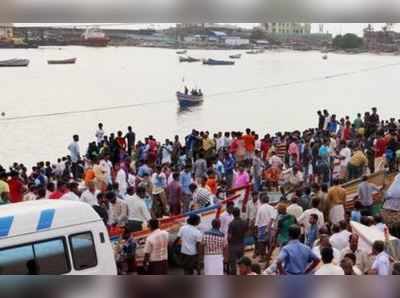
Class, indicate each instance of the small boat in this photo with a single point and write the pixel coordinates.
(217, 62)
(259, 51)
(188, 99)
(188, 59)
(325, 57)
(236, 56)
(14, 63)
(182, 52)
(65, 61)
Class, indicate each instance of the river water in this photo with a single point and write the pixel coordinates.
(276, 90)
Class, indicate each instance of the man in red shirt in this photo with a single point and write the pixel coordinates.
(17, 188)
(61, 190)
(249, 144)
(380, 145)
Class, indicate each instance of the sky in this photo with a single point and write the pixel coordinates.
(333, 28)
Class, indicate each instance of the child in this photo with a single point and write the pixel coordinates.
(312, 231)
(356, 213)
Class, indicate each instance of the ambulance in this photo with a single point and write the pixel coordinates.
(54, 237)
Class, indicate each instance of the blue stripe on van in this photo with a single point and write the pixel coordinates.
(5, 225)
(46, 219)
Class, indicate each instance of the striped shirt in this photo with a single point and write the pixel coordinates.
(213, 242)
(202, 197)
(157, 246)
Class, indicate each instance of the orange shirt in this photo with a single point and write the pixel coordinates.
(249, 142)
(89, 175)
(212, 184)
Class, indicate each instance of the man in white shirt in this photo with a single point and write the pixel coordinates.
(265, 215)
(304, 219)
(363, 261)
(106, 167)
(138, 214)
(89, 196)
(381, 265)
(73, 193)
(345, 157)
(75, 154)
(118, 212)
(190, 245)
(295, 209)
(322, 243)
(328, 268)
(122, 179)
(156, 250)
(340, 237)
(100, 133)
(226, 218)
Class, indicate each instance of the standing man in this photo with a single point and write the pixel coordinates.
(257, 170)
(236, 235)
(130, 138)
(336, 200)
(328, 268)
(229, 166)
(89, 196)
(213, 248)
(174, 195)
(296, 258)
(381, 265)
(156, 250)
(138, 214)
(75, 154)
(4, 189)
(366, 196)
(100, 133)
(191, 239)
(185, 180)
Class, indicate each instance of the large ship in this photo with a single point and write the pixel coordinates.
(94, 37)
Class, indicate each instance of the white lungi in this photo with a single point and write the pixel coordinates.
(213, 265)
(336, 214)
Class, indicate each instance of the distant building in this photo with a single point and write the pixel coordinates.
(6, 31)
(382, 41)
(288, 28)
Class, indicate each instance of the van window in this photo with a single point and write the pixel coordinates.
(83, 251)
(44, 257)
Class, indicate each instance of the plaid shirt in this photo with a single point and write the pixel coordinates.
(202, 197)
(214, 242)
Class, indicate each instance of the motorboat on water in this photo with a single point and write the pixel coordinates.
(256, 51)
(236, 56)
(217, 62)
(181, 52)
(188, 59)
(189, 99)
(14, 63)
(65, 61)
(325, 57)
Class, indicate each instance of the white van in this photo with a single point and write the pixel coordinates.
(54, 237)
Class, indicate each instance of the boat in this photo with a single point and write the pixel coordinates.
(325, 57)
(217, 62)
(188, 59)
(14, 63)
(236, 56)
(65, 61)
(188, 99)
(259, 51)
(182, 52)
(94, 37)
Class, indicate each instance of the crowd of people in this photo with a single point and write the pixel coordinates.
(134, 183)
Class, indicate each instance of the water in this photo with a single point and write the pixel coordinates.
(277, 90)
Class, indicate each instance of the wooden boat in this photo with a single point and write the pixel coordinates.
(173, 224)
(236, 56)
(217, 62)
(65, 61)
(188, 99)
(182, 52)
(188, 59)
(14, 63)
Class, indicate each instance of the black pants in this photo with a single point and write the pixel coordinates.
(189, 264)
(235, 253)
(134, 226)
(366, 210)
(75, 170)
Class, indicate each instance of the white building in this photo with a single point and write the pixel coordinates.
(6, 30)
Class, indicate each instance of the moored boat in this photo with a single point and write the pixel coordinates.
(259, 51)
(14, 63)
(188, 59)
(182, 52)
(64, 61)
(325, 57)
(188, 99)
(236, 56)
(217, 62)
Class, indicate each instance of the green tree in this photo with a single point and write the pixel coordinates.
(258, 34)
(347, 41)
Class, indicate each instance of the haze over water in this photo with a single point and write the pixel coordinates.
(277, 90)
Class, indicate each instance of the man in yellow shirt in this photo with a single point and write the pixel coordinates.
(4, 188)
(336, 200)
(357, 164)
